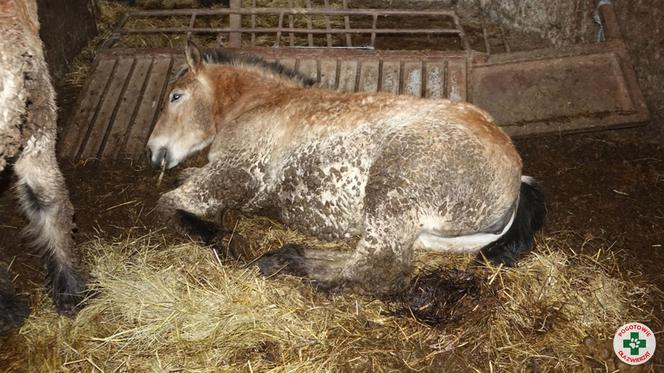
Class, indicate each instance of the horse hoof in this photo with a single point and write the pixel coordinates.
(195, 227)
(288, 259)
(69, 291)
(240, 248)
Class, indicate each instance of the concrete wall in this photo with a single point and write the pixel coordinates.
(562, 22)
(66, 27)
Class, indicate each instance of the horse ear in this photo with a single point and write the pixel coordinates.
(193, 55)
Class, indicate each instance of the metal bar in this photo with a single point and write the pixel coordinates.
(327, 24)
(115, 36)
(609, 22)
(485, 35)
(234, 21)
(291, 36)
(192, 23)
(508, 49)
(253, 25)
(349, 41)
(199, 30)
(281, 22)
(373, 27)
(310, 36)
(312, 11)
(462, 34)
(236, 30)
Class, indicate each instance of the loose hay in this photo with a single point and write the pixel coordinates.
(167, 307)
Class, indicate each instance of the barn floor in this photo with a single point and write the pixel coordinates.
(606, 191)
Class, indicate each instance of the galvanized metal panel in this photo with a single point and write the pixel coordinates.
(347, 76)
(412, 78)
(127, 109)
(456, 84)
(369, 76)
(104, 119)
(390, 77)
(566, 93)
(328, 73)
(435, 79)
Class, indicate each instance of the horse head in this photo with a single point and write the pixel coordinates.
(186, 124)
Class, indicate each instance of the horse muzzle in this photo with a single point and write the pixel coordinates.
(157, 159)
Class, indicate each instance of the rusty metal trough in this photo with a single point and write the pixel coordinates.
(575, 88)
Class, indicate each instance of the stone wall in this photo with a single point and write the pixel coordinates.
(562, 22)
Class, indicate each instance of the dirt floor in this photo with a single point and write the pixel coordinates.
(606, 190)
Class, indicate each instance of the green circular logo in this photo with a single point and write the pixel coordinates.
(634, 343)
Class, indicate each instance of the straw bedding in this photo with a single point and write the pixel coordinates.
(163, 306)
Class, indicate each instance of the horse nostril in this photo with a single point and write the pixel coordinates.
(148, 153)
(159, 158)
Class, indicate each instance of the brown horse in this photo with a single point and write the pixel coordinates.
(28, 117)
(398, 172)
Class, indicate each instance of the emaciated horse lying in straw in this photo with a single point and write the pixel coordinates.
(400, 172)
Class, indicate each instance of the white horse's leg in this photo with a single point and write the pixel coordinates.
(45, 202)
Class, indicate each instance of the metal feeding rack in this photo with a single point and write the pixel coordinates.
(423, 53)
(283, 21)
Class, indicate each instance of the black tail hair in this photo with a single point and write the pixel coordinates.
(518, 240)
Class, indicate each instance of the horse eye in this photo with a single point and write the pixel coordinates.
(175, 97)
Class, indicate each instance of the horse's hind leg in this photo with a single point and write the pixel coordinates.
(380, 263)
(324, 267)
(45, 202)
(383, 257)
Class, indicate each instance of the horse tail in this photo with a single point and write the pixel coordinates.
(529, 218)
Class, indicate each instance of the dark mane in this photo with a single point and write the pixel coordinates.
(220, 57)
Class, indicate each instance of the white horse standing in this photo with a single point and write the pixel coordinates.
(28, 119)
(399, 172)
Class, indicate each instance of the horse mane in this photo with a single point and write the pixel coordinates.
(271, 69)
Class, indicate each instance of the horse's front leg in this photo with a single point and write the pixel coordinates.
(185, 174)
(45, 202)
(194, 209)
